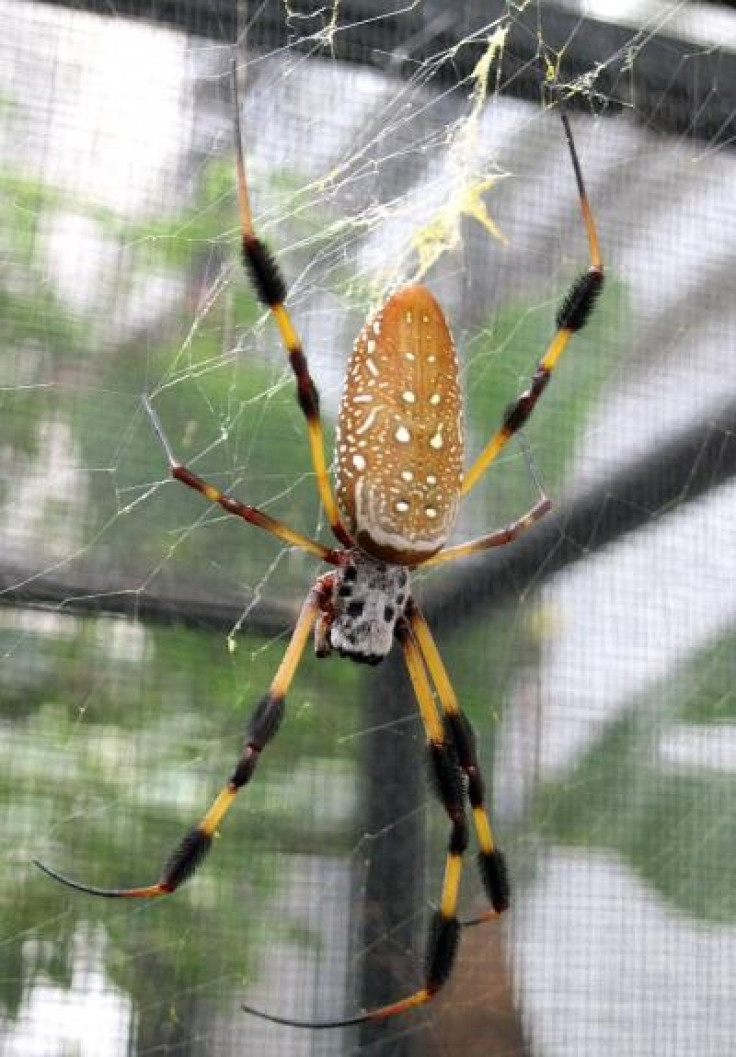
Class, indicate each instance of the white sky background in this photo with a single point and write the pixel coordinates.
(127, 104)
(700, 23)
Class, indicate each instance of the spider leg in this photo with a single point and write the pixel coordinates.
(263, 725)
(270, 287)
(491, 862)
(494, 539)
(230, 505)
(444, 933)
(572, 316)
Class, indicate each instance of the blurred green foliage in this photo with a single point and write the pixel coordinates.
(671, 819)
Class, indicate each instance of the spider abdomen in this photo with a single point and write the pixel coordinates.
(400, 446)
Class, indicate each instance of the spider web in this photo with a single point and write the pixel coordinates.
(602, 696)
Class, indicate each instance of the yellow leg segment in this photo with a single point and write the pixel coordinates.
(556, 348)
(299, 639)
(423, 693)
(217, 812)
(484, 460)
(486, 842)
(451, 886)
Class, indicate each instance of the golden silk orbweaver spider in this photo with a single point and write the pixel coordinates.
(399, 480)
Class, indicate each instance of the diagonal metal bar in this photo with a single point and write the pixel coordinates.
(93, 594)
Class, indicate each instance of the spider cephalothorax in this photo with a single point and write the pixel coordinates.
(368, 597)
(399, 480)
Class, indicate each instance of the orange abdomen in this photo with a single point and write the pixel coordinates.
(399, 442)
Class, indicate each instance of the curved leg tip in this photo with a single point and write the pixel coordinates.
(147, 892)
(289, 1022)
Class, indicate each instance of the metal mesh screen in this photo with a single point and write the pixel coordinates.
(595, 657)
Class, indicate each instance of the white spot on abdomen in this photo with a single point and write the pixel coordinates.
(371, 418)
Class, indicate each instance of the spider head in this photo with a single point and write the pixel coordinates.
(368, 598)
